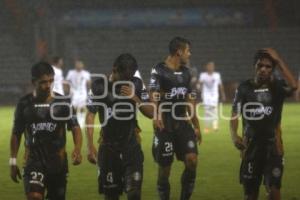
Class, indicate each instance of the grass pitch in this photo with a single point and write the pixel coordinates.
(217, 176)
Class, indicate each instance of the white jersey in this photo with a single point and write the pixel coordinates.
(58, 80)
(78, 81)
(210, 87)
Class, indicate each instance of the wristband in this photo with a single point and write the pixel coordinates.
(12, 161)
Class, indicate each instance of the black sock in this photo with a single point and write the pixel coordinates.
(111, 197)
(163, 188)
(187, 184)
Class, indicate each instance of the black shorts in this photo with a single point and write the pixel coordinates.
(261, 162)
(180, 141)
(120, 170)
(37, 179)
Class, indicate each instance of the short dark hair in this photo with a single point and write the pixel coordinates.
(126, 65)
(177, 43)
(56, 59)
(261, 54)
(39, 69)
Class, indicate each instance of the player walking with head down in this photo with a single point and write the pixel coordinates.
(260, 100)
(43, 119)
(170, 90)
(120, 157)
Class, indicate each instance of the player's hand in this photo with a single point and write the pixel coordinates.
(127, 91)
(92, 154)
(15, 174)
(273, 53)
(76, 156)
(198, 135)
(158, 124)
(238, 142)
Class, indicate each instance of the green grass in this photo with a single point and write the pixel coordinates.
(217, 176)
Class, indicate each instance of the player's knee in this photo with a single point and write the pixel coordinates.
(134, 194)
(34, 196)
(191, 161)
(164, 172)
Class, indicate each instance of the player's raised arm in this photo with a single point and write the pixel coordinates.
(283, 67)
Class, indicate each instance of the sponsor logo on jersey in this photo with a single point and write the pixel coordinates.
(262, 90)
(177, 73)
(264, 110)
(178, 91)
(45, 126)
(42, 105)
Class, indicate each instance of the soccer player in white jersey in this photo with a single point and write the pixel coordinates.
(58, 84)
(79, 81)
(211, 86)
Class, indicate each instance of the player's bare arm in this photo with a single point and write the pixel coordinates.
(77, 139)
(236, 139)
(194, 118)
(14, 148)
(92, 151)
(146, 109)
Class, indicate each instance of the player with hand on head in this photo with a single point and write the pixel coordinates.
(120, 157)
(260, 101)
(174, 130)
(43, 117)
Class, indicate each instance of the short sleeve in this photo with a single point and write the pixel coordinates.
(155, 82)
(219, 78)
(201, 77)
(237, 100)
(19, 121)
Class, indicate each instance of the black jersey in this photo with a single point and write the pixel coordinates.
(116, 115)
(174, 86)
(44, 125)
(260, 107)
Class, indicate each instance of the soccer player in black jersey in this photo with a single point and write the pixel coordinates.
(120, 157)
(176, 125)
(43, 116)
(260, 101)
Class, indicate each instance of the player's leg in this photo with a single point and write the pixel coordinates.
(186, 150)
(34, 182)
(163, 184)
(57, 186)
(215, 121)
(110, 173)
(163, 152)
(251, 173)
(133, 176)
(273, 175)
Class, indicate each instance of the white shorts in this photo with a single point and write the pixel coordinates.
(210, 99)
(79, 101)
